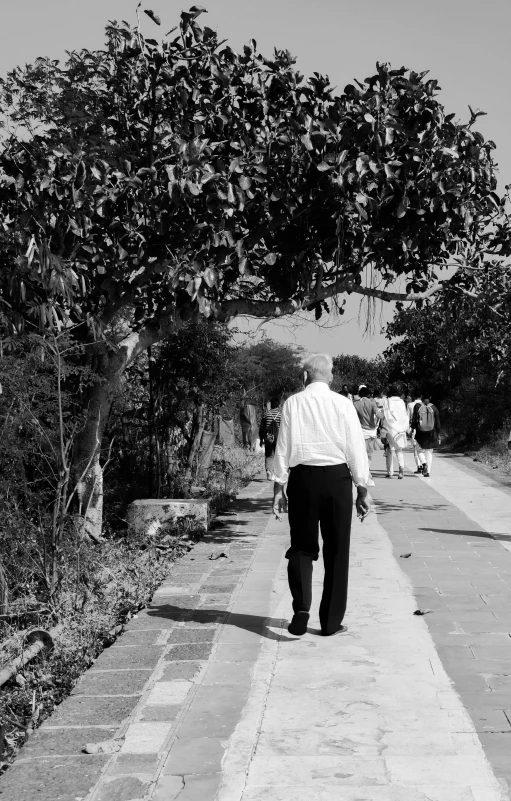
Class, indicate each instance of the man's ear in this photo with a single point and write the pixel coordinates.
(305, 376)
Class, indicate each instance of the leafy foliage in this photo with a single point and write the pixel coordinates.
(267, 369)
(154, 418)
(177, 177)
(355, 370)
(457, 347)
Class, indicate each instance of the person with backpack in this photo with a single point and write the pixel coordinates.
(396, 425)
(268, 435)
(426, 432)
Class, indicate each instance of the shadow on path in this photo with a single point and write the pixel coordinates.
(460, 532)
(257, 624)
(245, 512)
(402, 506)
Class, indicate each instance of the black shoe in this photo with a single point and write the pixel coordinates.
(419, 470)
(298, 625)
(424, 469)
(425, 474)
(340, 630)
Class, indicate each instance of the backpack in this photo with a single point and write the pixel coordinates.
(272, 431)
(425, 418)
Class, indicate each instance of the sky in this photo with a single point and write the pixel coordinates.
(464, 44)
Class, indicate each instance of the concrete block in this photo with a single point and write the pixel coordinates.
(148, 515)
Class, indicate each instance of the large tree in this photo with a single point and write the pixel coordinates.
(157, 180)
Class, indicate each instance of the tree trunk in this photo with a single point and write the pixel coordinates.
(87, 469)
(205, 455)
(4, 592)
(150, 422)
(198, 429)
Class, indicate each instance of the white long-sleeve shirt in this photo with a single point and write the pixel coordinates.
(319, 427)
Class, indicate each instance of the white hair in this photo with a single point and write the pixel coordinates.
(319, 366)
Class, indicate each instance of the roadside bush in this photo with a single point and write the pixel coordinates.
(111, 583)
(233, 468)
(495, 452)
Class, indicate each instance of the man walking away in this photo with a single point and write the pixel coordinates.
(426, 431)
(395, 423)
(268, 435)
(410, 407)
(320, 452)
(369, 416)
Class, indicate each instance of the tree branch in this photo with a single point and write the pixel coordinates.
(275, 308)
(475, 296)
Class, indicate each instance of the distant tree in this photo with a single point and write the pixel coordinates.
(267, 369)
(458, 348)
(355, 370)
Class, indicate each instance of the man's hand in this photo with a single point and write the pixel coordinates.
(279, 500)
(363, 503)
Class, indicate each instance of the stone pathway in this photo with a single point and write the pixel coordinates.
(213, 699)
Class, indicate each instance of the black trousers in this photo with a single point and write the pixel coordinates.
(320, 497)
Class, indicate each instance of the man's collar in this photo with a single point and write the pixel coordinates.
(318, 384)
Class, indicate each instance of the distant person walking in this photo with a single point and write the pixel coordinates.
(426, 431)
(268, 435)
(396, 425)
(416, 400)
(356, 392)
(320, 454)
(369, 416)
(346, 392)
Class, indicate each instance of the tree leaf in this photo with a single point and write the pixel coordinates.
(323, 166)
(306, 141)
(402, 208)
(270, 258)
(210, 276)
(155, 18)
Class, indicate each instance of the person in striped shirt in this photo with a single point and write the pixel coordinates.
(268, 434)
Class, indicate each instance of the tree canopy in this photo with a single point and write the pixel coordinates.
(267, 370)
(160, 179)
(356, 370)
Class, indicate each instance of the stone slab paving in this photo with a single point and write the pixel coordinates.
(370, 715)
(457, 527)
(215, 700)
(182, 665)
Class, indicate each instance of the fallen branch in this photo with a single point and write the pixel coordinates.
(42, 639)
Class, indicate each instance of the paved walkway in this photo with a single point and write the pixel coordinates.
(208, 697)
